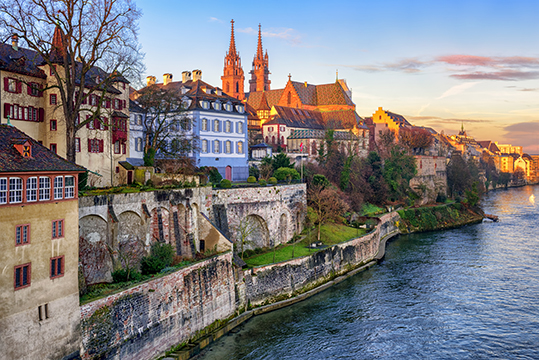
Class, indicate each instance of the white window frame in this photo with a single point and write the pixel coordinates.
(15, 190)
(31, 189)
(204, 124)
(240, 147)
(58, 187)
(228, 147)
(216, 146)
(204, 146)
(3, 190)
(44, 188)
(69, 190)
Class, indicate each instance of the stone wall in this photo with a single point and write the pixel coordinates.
(431, 178)
(269, 283)
(273, 214)
(147, 319)
(118, 229)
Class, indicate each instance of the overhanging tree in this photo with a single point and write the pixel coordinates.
(93, 43)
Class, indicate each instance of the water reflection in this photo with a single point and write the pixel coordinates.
(468, 293)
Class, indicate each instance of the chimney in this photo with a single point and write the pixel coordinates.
(167, 79)
(150, 80)
(186, 76)
(15, 42)
(197, 75)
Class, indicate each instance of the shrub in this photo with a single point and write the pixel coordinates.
(214, 175)
(253, 171)
(122, 275)
(286, 173)
(441, 198)
(160, 257)
(262, 182)
(251, 179)
(226, 184)
(272, 180)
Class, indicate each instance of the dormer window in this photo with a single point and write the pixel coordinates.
(205, 104)
(217, 105)
(218, 92)
(186, 102)
(240, 109)
(228, 107)
(207, 90)
(184, 90)
(24, 148)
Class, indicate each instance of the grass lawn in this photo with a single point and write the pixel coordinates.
(330, 234)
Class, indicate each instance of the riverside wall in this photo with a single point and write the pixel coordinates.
(141, 322)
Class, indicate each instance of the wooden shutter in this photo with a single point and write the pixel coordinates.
(100, 145)
(7, 108)
(41, 115)
(6, 84)
(89, 145)
(105, 121)
(29, 89)
(19, 87)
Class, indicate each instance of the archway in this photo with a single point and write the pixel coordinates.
(283, 229)
(94, 254)
(253, 232)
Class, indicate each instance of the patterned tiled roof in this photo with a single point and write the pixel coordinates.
(343, 119)
(398, 118)
(42, 158)
(320, 134)
(272, 97)
(298, 118)
(332, 94)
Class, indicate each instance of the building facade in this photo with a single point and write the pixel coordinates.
(39, 296)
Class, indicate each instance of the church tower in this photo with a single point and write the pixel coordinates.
(233, 78)
(260, 73)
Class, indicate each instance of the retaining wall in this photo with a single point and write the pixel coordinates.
(147, 319)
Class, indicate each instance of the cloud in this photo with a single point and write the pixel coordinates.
(437, 119)
(288, 34)
(528, 89)
(457, 89)
(409, 66)
(214, 19)
(524, 134)
(507, 75)
(497, 61)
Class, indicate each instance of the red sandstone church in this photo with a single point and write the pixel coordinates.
(277, 115)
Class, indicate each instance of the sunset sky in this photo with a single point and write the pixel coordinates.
(438, 63)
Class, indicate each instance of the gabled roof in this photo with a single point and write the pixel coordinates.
(272, 97)
(306, 92)
(332, 94)
(42, 158)
(343, 119)
(297, 118)
(320, 134)
(399, 119)
(134, 107)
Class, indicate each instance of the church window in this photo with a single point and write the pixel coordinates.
(237, 87)
(289, 98)
(227, 87)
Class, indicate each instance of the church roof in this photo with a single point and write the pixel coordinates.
(320, 134)
(272, 97)
(42, 159)
(343, 119)
(298, 118)
(332, 94)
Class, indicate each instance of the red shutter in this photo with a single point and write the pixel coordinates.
(97, 125)
(84, 100)
(7, 108)
(29, 89)
(125, 104)
(106, 123)
(41, 115)
(100, 145)
(89, 145)
(6, 84)
(40, 90)
(19, 87)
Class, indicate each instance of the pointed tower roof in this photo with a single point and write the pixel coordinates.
(58, 50)
(263, 103)
(232, 47)
(259, 51)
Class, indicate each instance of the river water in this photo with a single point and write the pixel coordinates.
(468, 293)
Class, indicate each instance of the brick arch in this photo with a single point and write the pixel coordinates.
(94, 254)
(160, 225)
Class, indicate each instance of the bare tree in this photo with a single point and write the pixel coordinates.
(94, 45)
(244, 230)
(168, 129)
(326, 204)
(415, 140)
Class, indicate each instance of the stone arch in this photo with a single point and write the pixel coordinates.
(181, 230)
(95, 249)
(132, 244)
(283, 228)
(160, 225)
(256, 233)
(195, 226)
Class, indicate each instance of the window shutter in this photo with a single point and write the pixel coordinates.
(6, 84)
(41, 115)
(97, 124)
(89, 145)
(7, 108)
(40, 90)
(84, 100)
(29, 89)
(100, 145)
(106, 127)
(19, 87)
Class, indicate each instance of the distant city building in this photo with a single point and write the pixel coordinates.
(39, 250)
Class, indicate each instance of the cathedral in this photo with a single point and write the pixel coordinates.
(276, 115)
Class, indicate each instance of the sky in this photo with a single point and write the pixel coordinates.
(441, 64)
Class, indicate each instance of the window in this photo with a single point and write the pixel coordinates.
(53, 100)
(124, 147)
(22, 276)
(240, 128)
(57, 267)
(33, 89)
(240, 108)
(138, 144)
(228, 127)
(204, 124)
(31, 189)
(43, 312)
(117, 147)
(3, 190)
(10, 85)
(15, 190)
(227, 147)
(216, 146)
(217, 105)
(52, 69)
(44, 188)
(240, 147)
(58, 187)
(69, 189)
(216, 125)
(57, 229)
(204, 146)
(95, 145)
(22, 234)
(53, 125)
(77, 144)
(282, 129)
(53, 148)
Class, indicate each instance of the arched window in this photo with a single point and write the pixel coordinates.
(237, 87)
(228, 147)
(227, 87)
(267, 139)
(240, 147)
(273, 140)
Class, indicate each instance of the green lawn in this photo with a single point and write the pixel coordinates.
(330, 234)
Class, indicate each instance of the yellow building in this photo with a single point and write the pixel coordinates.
(29, 99)
(39, 297)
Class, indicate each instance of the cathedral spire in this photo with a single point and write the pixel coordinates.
(259, 51)
(232, 47)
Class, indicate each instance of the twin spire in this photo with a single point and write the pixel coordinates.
(232, 48)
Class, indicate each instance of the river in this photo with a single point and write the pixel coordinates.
(467, 293)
